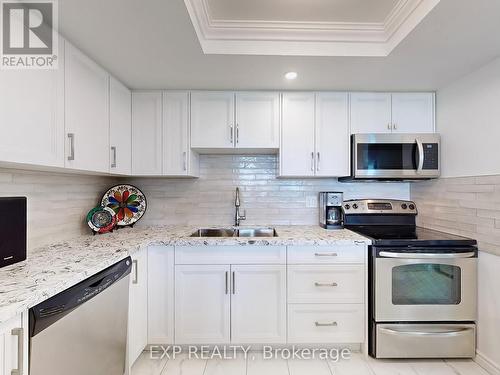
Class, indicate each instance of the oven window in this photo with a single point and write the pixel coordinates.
(426, 284)
(398, 156)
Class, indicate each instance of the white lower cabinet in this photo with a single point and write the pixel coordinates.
(326, 294)
(137, 338)
(340, 283)
(258, 304)
(160, 295)
(326, 323)
(202, 304)
(14, 346)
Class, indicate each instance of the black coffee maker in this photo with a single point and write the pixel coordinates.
(331, 214)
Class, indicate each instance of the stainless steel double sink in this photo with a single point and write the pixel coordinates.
(235, 232)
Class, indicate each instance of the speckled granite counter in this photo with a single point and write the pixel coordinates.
(52, 269)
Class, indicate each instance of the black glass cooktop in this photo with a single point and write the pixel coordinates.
(404, 235)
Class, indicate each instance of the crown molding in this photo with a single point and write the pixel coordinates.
(257, 37)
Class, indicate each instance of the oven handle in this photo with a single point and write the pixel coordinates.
(388, 254)
(421, 155)
(446, 332)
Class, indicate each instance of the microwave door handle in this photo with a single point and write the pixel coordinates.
(420, 148)
(388, 254)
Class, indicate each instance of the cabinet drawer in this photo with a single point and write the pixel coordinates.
(230, 254)
(326, 323)
(327, 254)
(339, 283)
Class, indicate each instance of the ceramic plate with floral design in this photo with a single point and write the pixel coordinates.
(127, 201)
(101, 219)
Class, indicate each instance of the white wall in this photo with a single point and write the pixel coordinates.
(488, 338)
(468, 117)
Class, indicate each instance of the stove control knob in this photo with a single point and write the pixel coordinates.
(355, 206)
(347, 206)
(411, 206)
(404, 206)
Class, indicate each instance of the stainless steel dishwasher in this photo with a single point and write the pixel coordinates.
(83, 330)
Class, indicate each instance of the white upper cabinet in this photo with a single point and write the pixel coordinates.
(315, 135)
(392, 113)
(370, 112)
(120, 128)
(147, 133)
(413, 112)
(297, 153)
(257, 120)
(212, 119)
(32, 115)
(263, 286)
(86, 112)
(178, 160)
(332, 134)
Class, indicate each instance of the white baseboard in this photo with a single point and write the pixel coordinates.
(486, 363)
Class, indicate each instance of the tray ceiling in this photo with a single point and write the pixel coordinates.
(305, 27)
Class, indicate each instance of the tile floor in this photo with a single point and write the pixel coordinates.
(255, 365)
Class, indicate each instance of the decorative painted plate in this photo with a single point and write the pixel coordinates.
(101, 219)
(128, 203)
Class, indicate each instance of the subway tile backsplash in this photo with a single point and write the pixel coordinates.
(57, 203)
(268, 200)
(467, 206)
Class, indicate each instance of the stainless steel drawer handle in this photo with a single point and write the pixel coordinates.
(445, 332)
(325, 284)
(113, 163)
(331, 324)
(234, 283)
(227, 282)
(359, 242)
(325, 254)
(388, 254)
(135, 280)
(19, 332)
(71, 137)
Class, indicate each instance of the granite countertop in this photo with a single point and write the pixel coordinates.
(51, 269)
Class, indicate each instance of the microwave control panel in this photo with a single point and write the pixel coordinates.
(431, 156)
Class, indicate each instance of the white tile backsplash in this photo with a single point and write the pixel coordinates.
(268, 200)
(57, 203)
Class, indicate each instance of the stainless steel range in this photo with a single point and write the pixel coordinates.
(423, 283)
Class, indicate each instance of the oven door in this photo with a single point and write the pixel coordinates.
(395, 156)
(430, 286)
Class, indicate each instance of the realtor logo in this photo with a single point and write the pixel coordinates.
(29, 34)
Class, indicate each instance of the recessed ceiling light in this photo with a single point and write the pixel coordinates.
(291, 75)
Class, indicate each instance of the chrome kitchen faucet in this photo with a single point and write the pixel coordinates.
(237, 216)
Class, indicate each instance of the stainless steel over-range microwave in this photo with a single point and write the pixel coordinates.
(395, 156)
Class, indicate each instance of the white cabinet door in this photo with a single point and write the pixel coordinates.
(212, 119)
(176, 133)
(120, 128)
(160, 295)
(258, 304)
(257, 120)
(370, 112)
(332, 134)
(32, 116)
(297, 135)
(413, 112)
(202, 304)
(147, 133)
(11, 359)
(138, 306)
(86, 112)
